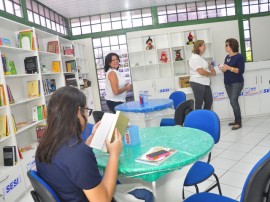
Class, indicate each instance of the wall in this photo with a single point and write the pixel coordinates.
(260, 32)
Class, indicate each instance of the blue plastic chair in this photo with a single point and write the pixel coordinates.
(177, 97)
(207, 121)
(256, 187)
(42, 191)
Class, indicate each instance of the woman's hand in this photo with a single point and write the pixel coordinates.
(226, 67)
(115, 147)
(128, 87)
(95, 128)
(89, 139)
(212, 70)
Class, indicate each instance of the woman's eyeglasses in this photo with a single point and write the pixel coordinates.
(89, 110)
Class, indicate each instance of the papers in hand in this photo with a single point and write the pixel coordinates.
(106, 129)
(157, 161)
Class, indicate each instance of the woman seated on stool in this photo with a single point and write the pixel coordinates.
(67, 163)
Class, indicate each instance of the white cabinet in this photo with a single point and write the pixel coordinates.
(257, 92)
(264, 82)
(221, 103)
(253, 100)
(12, 184)
(165, 62)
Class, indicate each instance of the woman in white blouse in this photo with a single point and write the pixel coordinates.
(115, 85)
(200, 71)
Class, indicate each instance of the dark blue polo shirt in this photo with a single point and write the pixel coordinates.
(238, 62)
(73, 168)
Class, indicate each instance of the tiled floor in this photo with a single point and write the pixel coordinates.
(234, 155)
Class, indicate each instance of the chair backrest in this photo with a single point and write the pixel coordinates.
(44, 192)
(204, 120)
(256, 187)
(182, 110)
(177, 97)
(97, 115)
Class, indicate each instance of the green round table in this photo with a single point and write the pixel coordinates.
(191, 145)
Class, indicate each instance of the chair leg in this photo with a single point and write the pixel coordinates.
(218, 184)
(197, 188)
(183, 193)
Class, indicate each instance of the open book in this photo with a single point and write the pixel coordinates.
(106, 129)
(156, 155)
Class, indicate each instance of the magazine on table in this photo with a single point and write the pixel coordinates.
(156, 155)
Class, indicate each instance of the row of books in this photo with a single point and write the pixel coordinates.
(53, 47)
(39, 112)
(49, 86)
(33, 89)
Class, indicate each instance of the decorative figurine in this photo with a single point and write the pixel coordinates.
(178, 55)
(163, 57)
(149, 44)
(190, 39)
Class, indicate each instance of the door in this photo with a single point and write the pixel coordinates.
(251, 93)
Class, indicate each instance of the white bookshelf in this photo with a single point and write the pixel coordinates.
(21, 109)
(159, 75)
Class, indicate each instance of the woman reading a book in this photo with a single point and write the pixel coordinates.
(115, 84)
(67, 163)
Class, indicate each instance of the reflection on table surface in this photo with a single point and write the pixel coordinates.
(152, 105)
(191, 145)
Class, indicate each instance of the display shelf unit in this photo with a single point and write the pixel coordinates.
(162, 65)
(22, 108)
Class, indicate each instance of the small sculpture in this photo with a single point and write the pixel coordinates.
(190, 39)
(178, 55)
(149, 44)
(163, 57)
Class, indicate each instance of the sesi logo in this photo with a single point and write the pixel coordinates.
(13, 184)
(266, 90)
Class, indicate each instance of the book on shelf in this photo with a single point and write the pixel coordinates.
(68, 49)
(105, 131)
(71, 65)
(10, 155)
(40, 130)
(71, 80)
(10, 96)
(156, 155)
(22, 124)
(13, 123)
(26, 40)
(31, 65)
(33, 88)
(2, 96)
(3, 126)
(49, 86)
(53, 47)
(56, 66)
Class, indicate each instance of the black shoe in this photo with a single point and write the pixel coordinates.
(231, 124)
(236, 126)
